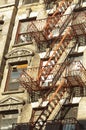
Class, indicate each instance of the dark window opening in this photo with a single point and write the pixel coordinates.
(50, 5)
(79, 91)
(34, 96)
(82, 40)
(68, 111)
(66, 124)
(22, 126)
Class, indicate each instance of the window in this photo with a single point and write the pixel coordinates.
(30, 1)
(22, 126)
(23, 35)
(7, 120)
(79, 91)
(82, 40)
(34, 96)
(13, 75)
(51, 4)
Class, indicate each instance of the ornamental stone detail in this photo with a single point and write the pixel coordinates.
(19, 52)
(10, 103)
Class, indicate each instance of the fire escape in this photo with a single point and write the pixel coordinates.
(57, 62)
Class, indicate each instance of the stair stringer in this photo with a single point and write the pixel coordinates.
(58, 107)
(51, 105)
(61, 63)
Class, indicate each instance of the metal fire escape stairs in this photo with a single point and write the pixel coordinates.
(77, 78)
(77, 75)
(40, 29)
(59, 50)
(53, 103)
(53, 68)
(53, 20)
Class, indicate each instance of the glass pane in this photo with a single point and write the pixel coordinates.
(23, 27)
(16, 71)
(13, 86)
(7, 121)
(24, 38)
(69, 127)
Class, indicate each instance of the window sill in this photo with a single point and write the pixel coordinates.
(13, 92)
(7, 5)
(22, 44)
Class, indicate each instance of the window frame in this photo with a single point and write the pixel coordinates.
(5, 116)
(10, 70)
(18, 34)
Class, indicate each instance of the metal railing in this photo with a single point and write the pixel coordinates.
(65, 124)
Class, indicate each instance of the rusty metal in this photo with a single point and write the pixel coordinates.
(76, 74)
(75, 78)
(55, 56)
(79, 29)
(35, 29)
(40, 29)
(63, 5)
(27, 82)
(53, 102)
(65, 122)
(39, 124)
(46, 70)
(51, 64)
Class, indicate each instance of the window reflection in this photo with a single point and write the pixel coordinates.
(13, 75)
(69, 127)
(23, 35)
(7, 120)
